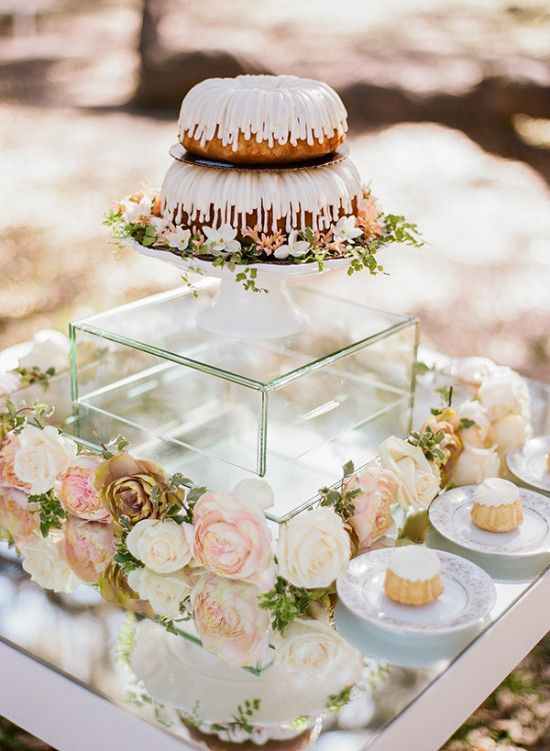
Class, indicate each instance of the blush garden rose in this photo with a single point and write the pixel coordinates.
(76, 491)
(231, 539)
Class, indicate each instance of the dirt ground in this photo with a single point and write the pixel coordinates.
(480, 286)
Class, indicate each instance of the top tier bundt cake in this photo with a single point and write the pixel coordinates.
(262, 119)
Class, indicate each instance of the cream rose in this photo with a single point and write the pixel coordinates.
(166, 593)
(231, 539)
(162, 546)
(477, 435)
(42, 456)
(504, 392)
(419, 481)
(313, 548)
(310, 647)
(475, 465)
(43, 560)
(229, 620)
(511, 432)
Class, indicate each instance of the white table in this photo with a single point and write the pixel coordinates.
(57, 678)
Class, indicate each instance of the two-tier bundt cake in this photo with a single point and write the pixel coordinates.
(272, 121)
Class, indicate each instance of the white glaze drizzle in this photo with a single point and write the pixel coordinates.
(415, 563)
(268, 108)
(224, 196)
(496, 491)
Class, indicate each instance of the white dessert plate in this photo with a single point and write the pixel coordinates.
(450, 515)
(469, 595)
(528, 463)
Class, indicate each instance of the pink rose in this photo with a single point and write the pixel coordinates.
(372, 517)
(229, 620)
(231, 539)
(87, 547)
(17, 520)
(8, 448)
(76, 490)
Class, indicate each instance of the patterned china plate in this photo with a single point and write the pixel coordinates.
(469, 595)
(450, 515)
(528, 463)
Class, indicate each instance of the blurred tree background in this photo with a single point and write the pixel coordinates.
(449, 108)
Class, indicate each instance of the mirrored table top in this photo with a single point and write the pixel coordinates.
(90, 641)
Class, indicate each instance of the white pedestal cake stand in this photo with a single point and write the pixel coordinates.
(244, 313)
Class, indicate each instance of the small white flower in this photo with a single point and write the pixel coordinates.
(221, 240)
(295, 248)
(159, 223)
(134, 211)
(345, 229)
(177, 237)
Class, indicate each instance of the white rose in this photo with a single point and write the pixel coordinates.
(478, 434)
(165, 592)
(504, 392)
(43, 560)
(475, 465)
(313, 548)
(511, 432)
(310, 647)
(162, 546)
(48, 349)
(419, 481)
(42, 456)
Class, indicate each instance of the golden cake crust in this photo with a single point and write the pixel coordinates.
(503, 518)
(407, 592)
(250, 151)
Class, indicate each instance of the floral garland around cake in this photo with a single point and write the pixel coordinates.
(158, 545)
(357, 238)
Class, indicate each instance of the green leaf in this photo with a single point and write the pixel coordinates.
(348, 468)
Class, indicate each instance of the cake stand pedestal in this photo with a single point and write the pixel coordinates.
(267, 313)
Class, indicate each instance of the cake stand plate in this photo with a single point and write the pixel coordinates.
(180, 154)
(450, 515)
(468, 596)
(237, 312)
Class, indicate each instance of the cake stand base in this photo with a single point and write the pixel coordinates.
(265, 314)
